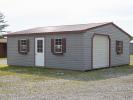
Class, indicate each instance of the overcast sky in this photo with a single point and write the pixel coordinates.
(24, 14)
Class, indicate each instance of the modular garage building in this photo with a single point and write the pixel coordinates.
(75, 47)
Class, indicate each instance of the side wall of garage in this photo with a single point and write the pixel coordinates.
(114, 34)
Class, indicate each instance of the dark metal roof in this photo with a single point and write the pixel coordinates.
(63, 28)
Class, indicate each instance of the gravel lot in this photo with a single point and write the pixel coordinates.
(115, 86)
(120, 88)
(105, 84)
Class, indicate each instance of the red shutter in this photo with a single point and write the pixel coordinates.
(52, 46)
(28, 48)
(117, 47)
(122, 47)
(64, 45)
(18, 46)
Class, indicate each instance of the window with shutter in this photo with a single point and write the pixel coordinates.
(52, 46)
(64, 45)
(119, 47)
(23, 46)
(58, 46)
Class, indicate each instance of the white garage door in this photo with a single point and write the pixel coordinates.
(100, 51)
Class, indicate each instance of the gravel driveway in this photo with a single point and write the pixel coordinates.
(111, 89)
(3, 61)
(106, 84)
(30, 83)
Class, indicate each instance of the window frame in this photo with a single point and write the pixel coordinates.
(119, 47)
(40, 48)
(21, 46)
(60, 45)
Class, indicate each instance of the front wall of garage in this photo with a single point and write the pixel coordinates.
(72, 59)
(114, 34)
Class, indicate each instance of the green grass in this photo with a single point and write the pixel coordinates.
(2, 58)
(39, 74)
(131, 59)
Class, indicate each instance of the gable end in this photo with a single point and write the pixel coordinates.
(114, 26)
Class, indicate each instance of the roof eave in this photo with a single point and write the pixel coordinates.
(45, 33)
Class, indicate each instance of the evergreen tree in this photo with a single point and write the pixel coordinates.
(2, 24)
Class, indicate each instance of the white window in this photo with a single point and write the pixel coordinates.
(39, 46)
(58, 45)
(23, 45)
(119, 47)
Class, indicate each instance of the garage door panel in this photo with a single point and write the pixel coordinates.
(100, 51)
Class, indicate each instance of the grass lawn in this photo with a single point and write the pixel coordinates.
(33, 83)
(36, 74)
(131, 59)
(3, 58)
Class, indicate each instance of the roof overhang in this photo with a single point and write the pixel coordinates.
(73, 31)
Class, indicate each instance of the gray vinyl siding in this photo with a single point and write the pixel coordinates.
(115, 34)
(14, 58)
(72, 59)
(131, 48)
